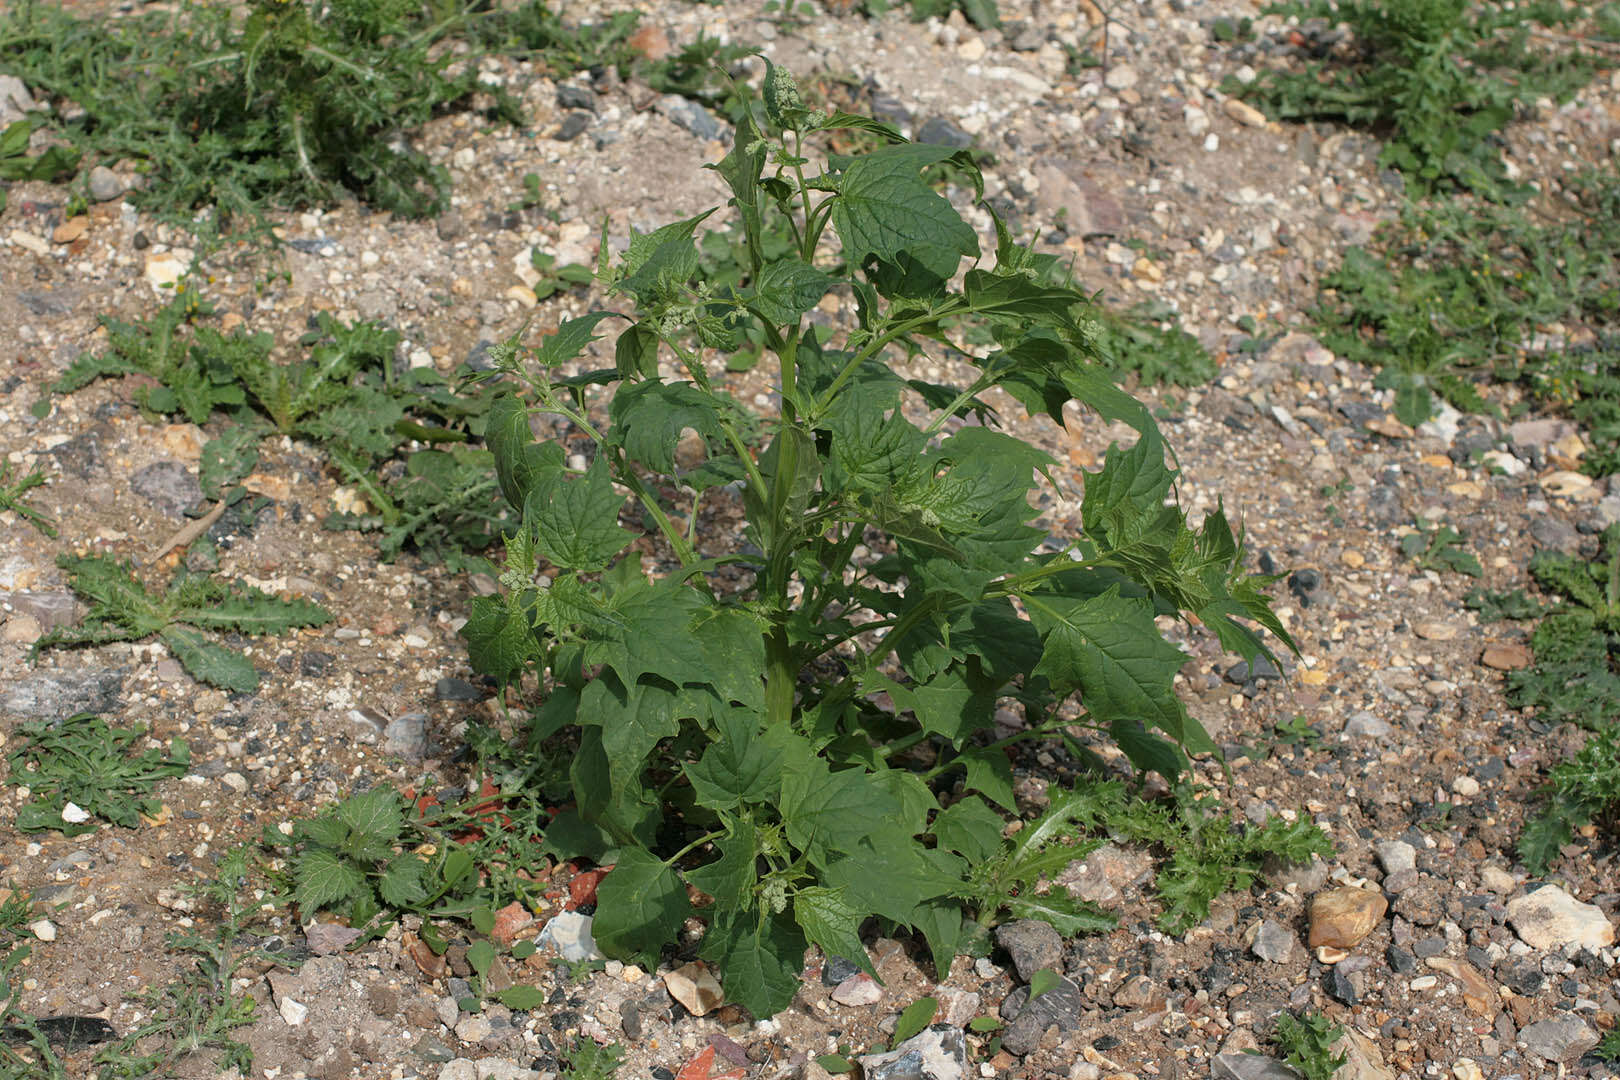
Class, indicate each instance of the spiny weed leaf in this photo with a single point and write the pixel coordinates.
(14, 492)
(122, 609)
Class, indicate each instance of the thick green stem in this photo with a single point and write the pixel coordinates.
(781, 674)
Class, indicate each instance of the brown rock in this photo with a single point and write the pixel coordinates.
(1507, 657)
(694, 986)
(1478, 994)
(509, 921)
(1389, 428)
(70, 230)
(1342, 917)
(427, 961)
(651, 41)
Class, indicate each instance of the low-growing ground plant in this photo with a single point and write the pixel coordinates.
(1457, 292)
(803, 726)
(1574, 678)
(1576, 674)
(405, 439)
(122, 608)
(281, 105)
(1308, 1043)
(1440, 547)
(80, 773)
(1150, 343)
(13, 494)
(1435, 78)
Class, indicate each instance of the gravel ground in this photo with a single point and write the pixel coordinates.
(1442, 958)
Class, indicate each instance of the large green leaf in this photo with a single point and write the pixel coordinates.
(970, 828)
(761, 956)
(885, 209)
(521, 464)
(1109, 649)
(500, 642)
(649, 416)
(633, 719)
(577, 526)
(322, 879)
(641, 905)
(832, 925)
(570, 339)
(743, 764)
(652, 635)
(832, 812)
(730, 878)
(785, 290)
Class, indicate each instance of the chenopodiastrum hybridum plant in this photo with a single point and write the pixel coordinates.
(799, 730)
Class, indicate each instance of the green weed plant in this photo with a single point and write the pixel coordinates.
(1308, 1043)
(1459, 291)
(1575, 678)
(1436, 79)
(13, 494)
(122, 608)
(86, 762)
(803, 731)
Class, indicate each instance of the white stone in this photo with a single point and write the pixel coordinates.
(1197, 121)
(74, 814)
(1503, 462)
(43, 929)
(569, 933)
(1550, 918)
(294, 1012)
(1121, 77)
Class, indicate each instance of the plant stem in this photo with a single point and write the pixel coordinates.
(693, 846)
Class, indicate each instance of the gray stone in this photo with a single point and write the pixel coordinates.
(15, 100)
(573, 126)
(1024, 37)
(1241, 1066)
(1308, 877)
(1088, 206)
(58, 695)
(1400, 961)
(450, 689)
(1059, 1007)
(1364, 725)
(168, 486)
(1396, 855)
(1343, 986)
(1562, 1039)
(1262, 670)
(432, 1050)
(54, 302)
(836, 969)
(104, 184)
(1273, 942)
(1032, 944)
(450, 225)
(938, 1053)
(688, 114)
(1555, 534)
(941, 132)
(1521, 974)
(52, 610)
(576, 97)
(406, 735)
